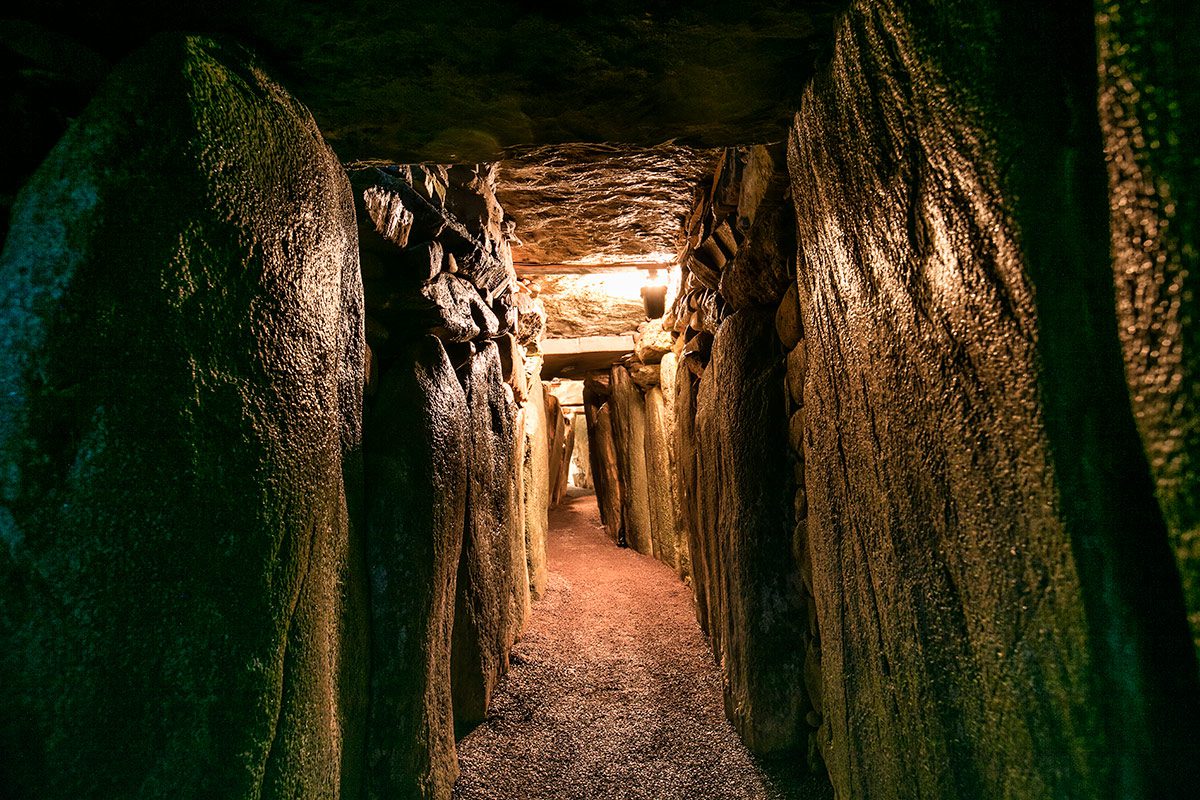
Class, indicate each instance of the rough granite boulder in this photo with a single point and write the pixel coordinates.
(416, 464)
(182, 366)
(999, 611)
(493, 584)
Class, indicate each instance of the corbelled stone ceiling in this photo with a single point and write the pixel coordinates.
(596, 203)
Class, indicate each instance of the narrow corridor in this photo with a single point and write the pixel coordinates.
(612, 692)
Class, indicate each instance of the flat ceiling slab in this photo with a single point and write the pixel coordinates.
(574, 358)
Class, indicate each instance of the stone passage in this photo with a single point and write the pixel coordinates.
(612, 690)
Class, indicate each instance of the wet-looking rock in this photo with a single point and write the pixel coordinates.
(416, 460)
(493, 583)
(181, 372)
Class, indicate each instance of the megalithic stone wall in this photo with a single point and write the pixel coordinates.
(416, 454)
(999, 613)
(181, 317)
(629, 436)
(536, 486)
(493, 584)
(1150, 113)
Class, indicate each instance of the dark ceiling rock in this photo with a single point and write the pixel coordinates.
(596, 202)
(458, 81)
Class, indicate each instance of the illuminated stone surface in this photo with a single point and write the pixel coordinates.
(997, 605)
(493, 582)
(181, 312)
(1151, 116)
(742, 544)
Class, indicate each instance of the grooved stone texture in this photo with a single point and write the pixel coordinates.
(742, 546)
(416, 467)
(997, 605)
(629, 436)
(180, 376)
(1150, 111)
(536, 485)
(493, 583)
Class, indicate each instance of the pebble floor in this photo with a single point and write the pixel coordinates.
(612, 690)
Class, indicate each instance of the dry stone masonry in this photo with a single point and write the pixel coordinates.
(711, 480)
(437, 269)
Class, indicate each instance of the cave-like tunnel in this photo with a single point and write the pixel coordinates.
(518, 399)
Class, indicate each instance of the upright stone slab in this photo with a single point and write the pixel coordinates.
(1150, 113)
(181, 372)
(416, 472)
(493, 583)
(606, 475)
(685, 477)
(669, 373)
(707, 553)
(537, 486)
(581, 464)
(757, 619)
(629, 436)
(658, 477)
(998, 609)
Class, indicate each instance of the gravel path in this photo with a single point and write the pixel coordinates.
(612, 692)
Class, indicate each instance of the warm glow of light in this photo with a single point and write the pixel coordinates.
(625, 283)
(660, 257)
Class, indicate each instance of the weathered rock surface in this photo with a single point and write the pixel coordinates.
(1149, 112)
(456, 310)
(743, 540)
(416, 466)
(762, 270)
(607, 474)
(684, 478)
(556, 432)
(493, 584)
(564, 466)
(797, 364)
(531, 318)
(458, 81)
(998, 608)
(652, 342)
(537, 487)
(598, 202)
(581, 466)
(669, 376)
(586, 305)
(787, 318)
(629, 439)
(181, 318)
(658, 476)
(644, 375)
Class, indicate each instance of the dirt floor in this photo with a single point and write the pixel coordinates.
(613, 691)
